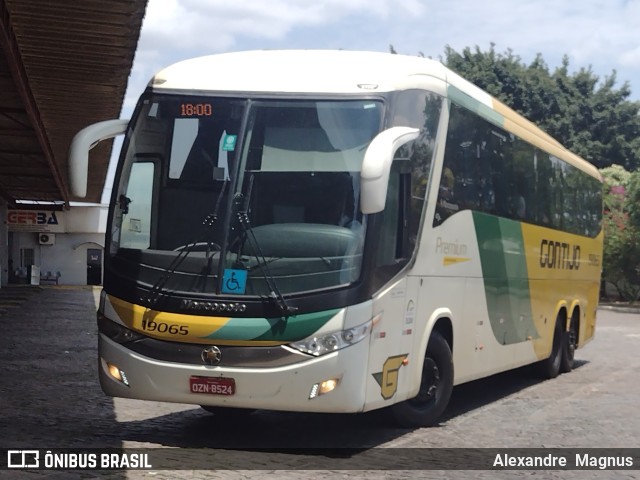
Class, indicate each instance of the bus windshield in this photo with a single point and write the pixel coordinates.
(225, 195)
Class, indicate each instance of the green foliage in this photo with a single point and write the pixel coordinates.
(616, 178)
(621, 262)
(632, 199)
(590, 116)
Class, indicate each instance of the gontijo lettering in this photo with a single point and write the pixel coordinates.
(559, 255)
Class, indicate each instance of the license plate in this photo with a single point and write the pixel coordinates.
(212, 385)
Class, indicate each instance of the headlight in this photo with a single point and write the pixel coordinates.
(103, 301)
(116, 332)
(330, 342)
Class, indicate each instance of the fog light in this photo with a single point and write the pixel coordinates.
(323, 387)
(118, 374)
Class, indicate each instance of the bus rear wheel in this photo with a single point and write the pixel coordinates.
(550, 368)
(436, 385)
(569, 345)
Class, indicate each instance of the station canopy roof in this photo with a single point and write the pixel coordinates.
(64, 64)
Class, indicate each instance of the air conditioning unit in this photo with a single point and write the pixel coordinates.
(47, 238)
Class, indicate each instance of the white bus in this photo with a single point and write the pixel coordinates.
(333, 231)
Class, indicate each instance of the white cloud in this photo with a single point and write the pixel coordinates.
(177, 29)
(218, 24)
(631, 58)
(594, 32)
(603, 34)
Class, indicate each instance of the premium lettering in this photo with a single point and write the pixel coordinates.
(450, 248)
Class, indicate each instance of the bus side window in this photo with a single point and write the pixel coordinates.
(136, 218)
(390, 238)
(417, 109)
(408, 180)
(452, 187)
(398, 233)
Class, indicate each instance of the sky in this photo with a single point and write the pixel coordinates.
(603, 35)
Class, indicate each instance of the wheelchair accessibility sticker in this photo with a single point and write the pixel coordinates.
(234, 281)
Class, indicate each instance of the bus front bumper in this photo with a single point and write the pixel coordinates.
(124, 373)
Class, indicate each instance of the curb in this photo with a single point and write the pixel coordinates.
(620, 309)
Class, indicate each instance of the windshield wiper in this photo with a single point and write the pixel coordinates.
(275, 295)
(207, 223)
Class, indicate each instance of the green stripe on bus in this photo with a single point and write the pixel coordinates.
(299, 326)
(506, 282)
(458, 96)
(273, 329)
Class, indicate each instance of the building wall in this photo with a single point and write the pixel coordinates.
(68, 255)
(72, 233)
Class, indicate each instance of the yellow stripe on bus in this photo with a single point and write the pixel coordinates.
(179, 327)
(564, 271)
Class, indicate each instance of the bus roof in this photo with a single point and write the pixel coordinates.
(347, 72)
(296, 71)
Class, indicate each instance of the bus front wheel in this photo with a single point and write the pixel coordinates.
(436, 385)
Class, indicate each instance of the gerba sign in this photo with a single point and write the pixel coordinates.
(34, 221)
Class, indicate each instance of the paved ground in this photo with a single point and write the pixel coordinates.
(50, 398)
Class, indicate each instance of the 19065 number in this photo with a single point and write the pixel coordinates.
(162, 327)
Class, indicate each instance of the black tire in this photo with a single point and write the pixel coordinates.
(435, 389)
(550, 368)
(569, 345)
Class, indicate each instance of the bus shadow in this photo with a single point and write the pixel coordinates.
(304, 432)
(473, 395)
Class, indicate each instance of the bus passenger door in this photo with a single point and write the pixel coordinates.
(391, 345)
(393, 335)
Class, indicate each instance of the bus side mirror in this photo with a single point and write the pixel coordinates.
(82, 142)
(377, 165)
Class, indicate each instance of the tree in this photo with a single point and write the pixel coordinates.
(590, 116)
(621, 259)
